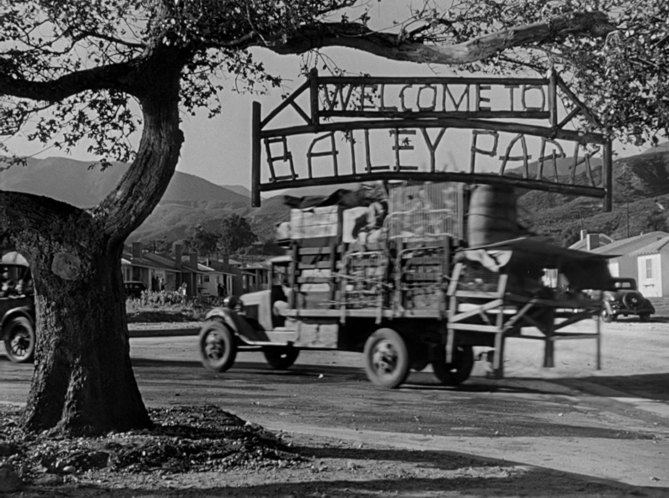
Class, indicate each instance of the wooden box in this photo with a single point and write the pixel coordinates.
(317, 222)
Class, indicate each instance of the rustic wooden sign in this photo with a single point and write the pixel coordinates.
(525, 132)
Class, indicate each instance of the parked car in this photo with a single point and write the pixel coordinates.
(625, 300)
(134, 289)
(17, 313)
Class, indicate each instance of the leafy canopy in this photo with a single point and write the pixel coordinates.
(228, 235)
(622, 76)
(50, 40)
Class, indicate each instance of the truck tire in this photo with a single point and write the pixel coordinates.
(386, 358)
(218, 346)
(19, 336)
(281, 358)
(455, 373)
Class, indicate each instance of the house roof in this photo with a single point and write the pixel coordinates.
(630, 244)
(223, 267)
(652, 248)
(165, 261)
(143, 261)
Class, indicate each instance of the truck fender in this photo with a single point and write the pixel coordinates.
(223, 314)
(20, 311)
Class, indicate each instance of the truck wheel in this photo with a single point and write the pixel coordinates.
(281, 358)
(20, 340)
(386, 358)
(455, 373)
(218, 348)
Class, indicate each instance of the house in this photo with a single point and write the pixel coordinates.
(167, 272)
(624, 258)
(652, 259)
(201, 278)
(196, 276)
(227, 275)
(255, 276)
(644, 257)
(156, 272)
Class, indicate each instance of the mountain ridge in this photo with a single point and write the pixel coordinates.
(641, 182)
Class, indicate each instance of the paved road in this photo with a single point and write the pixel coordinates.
(612, 423)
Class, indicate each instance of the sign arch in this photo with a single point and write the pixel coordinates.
(524, 132)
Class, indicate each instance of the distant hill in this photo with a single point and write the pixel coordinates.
(62, 179)
(239, 189)
(640, 195)
(188, 201)
(641, 199)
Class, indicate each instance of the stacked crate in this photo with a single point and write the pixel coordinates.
(316, 252)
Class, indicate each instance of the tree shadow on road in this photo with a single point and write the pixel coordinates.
(346, 472)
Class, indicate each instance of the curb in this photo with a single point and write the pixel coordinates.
(161, 331)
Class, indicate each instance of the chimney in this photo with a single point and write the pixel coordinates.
(193, 259)
(592, 241)
(584, 234)
(178, 249)
(136, 250)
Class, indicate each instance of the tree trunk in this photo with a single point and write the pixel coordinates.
(83, 381)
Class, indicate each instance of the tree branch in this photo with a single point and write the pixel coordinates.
(114, 76)
(398, 47)
(112, 39)
(145, 182)
(20, 212)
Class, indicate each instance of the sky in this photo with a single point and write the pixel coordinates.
(219, 149)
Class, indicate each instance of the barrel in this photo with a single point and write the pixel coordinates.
(492, 215)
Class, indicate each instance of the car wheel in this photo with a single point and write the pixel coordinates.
(281, 358)
(456, 372)
(20, 340)
(386, 358)
(632, 300)
(218, 347)
(644, 317)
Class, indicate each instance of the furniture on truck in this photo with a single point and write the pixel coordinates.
(525, 288)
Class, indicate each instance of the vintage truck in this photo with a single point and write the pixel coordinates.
(395, 276)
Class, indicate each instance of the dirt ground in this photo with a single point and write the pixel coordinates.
(334, 462)
(335, 467)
